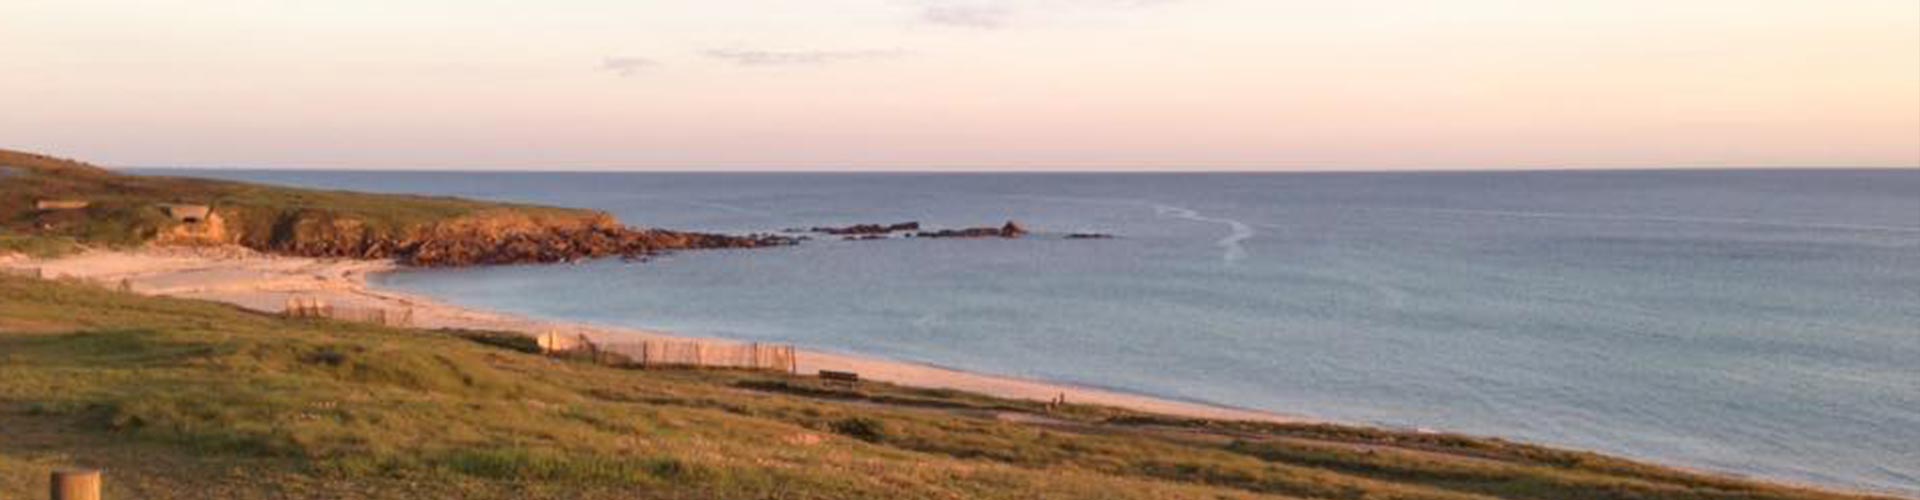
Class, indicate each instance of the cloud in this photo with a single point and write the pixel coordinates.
(993, 14)
(966, 16)
(755, 57)
(626, 66)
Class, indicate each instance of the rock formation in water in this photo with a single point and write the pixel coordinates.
(1010, 230)
(867, 229)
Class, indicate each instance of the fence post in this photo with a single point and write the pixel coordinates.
(75, 484)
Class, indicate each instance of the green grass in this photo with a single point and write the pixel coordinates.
(38, 246)
(189, 399)
(125, 209)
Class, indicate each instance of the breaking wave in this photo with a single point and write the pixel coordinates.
(1240, 231)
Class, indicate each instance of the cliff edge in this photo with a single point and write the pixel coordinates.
(50, 205)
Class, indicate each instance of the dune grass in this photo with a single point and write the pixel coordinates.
(190, 399)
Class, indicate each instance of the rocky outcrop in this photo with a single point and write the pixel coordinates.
(499, 237)
(867, 229)
(1010, 230)
(211, 230)
(563, 244)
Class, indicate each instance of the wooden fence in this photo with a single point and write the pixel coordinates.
(678, 353)
(310, 307)
(662, 353)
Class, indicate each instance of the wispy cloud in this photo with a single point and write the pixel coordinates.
(967, 16)
(626, 66)
(757, 57)
(993, 14)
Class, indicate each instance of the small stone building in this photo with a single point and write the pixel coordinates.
(187, 213)
(49, 205)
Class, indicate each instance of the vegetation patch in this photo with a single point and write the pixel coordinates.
(520, 464)
(861, 428)
(513, 341)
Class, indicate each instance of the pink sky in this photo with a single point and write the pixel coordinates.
(965, 84)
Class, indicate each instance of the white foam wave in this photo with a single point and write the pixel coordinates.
(1239, 231)
(1232, 249)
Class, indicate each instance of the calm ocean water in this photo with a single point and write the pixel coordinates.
(1754, 322)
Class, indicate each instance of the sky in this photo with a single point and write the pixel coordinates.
(964, 84)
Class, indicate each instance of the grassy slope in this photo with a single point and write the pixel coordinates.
(125, 208)
(188, 399)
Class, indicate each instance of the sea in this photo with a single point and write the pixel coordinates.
(1763, 323)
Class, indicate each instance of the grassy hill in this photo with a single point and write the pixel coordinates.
(125, 209)
(189, 399)
(129, 210)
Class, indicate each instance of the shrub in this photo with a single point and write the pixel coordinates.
(862, 428)
(505, 340)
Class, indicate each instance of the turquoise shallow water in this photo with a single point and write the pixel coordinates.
(1754, 322)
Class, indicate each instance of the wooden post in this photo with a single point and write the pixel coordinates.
(75, 484)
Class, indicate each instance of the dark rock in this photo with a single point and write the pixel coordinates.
(860, 229)
(1089, 236)
(1010, 230)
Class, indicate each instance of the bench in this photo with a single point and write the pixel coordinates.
(837, 376)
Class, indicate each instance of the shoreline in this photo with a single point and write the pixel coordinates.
(264, 283)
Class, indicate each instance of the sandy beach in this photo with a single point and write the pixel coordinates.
(265, 282)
